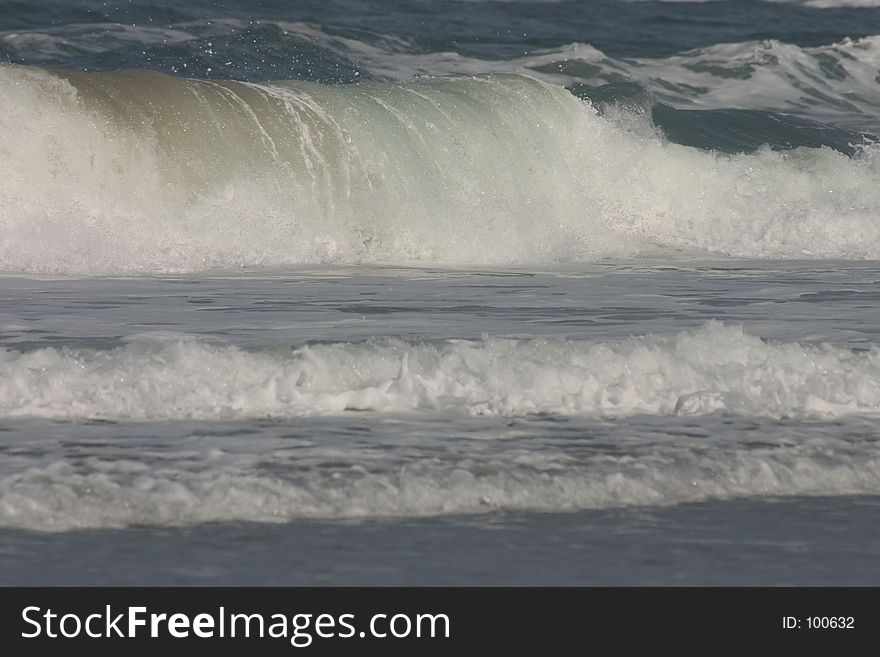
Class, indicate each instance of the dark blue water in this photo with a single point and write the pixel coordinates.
(340, 41)
(486, 28)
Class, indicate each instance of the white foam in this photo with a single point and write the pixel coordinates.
(716, 368)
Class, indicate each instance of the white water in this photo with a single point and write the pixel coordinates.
(714, 369)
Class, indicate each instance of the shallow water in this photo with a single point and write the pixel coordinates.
(277, 397)
(814, 541)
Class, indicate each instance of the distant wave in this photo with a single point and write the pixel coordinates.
(834, 83)
(133, 172)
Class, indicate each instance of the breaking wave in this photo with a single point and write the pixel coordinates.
(133, 172)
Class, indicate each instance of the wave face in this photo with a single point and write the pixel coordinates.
(141, 172)
(714, 369)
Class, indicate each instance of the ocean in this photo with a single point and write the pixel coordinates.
(413, 292)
